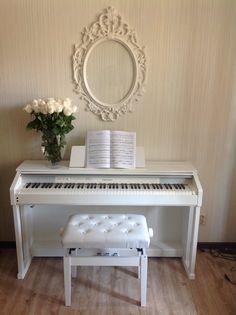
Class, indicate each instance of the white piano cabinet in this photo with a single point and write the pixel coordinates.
(173, 216)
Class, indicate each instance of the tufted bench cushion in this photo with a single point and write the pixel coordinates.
(106, 231)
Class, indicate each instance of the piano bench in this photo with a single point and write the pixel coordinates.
(105, 240)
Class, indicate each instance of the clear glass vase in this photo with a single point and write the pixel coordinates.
(53, 148)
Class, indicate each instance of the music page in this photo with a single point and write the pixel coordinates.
(98, 149)
(110, 149)
(123, 149)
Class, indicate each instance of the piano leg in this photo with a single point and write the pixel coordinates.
(23, 260)
(194, 240)
(190, 242)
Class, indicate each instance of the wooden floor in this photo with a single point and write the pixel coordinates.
(115, 290)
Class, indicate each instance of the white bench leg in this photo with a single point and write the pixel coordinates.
(143, 280)
(74, 271)
(67, 279)
(74, 268)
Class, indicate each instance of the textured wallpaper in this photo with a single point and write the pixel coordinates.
(186, 113)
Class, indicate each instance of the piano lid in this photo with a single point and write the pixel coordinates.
(152, 168)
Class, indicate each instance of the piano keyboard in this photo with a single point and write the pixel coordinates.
(103, 187)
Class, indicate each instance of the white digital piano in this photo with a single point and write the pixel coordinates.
(169, 194)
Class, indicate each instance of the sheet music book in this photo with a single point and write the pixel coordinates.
(111, 149)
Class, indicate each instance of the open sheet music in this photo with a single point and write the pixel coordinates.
(110, 149)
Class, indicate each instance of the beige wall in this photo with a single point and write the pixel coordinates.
(187, 112)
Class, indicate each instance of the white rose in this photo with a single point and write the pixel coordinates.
(67, 111)
(74, 109)
(43, 108)
(50, 108)
(35, 102)
(67, 102)
(58, 107)
(28, 108)
(36, 107)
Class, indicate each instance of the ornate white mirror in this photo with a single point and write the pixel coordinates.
(109, 67)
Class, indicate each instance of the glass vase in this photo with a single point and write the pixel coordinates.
(53, 148)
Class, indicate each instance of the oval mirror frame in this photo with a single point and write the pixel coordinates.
(109, 26)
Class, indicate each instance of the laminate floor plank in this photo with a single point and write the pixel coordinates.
(115, 290)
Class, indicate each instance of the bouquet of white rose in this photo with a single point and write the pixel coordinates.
(53, 117)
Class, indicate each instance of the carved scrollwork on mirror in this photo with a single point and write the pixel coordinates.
(109, 67)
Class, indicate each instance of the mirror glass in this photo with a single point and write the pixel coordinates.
(109, 72)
